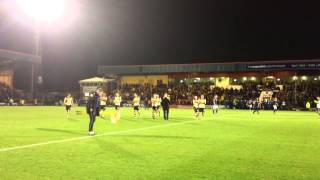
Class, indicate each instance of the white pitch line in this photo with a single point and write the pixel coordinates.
(88, 137)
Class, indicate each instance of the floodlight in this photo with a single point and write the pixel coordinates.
(42, 10)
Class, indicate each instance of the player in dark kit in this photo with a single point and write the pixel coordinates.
(275, 105)
(92, 111)
(165, 106)
(256, 106)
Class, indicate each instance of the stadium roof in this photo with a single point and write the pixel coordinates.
(95, 80)
(294, 65)
(18, 56)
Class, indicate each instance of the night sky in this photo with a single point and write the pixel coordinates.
(115, 32)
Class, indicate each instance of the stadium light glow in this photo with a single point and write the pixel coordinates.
(295, 78)
(244, 78)
(316, 79)
(278, 79)
(42, 10)
(235, 80)
(253, 78)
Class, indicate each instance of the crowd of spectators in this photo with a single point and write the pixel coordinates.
(7, 95)
(289, 96)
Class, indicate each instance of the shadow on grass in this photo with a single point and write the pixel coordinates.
(115, 148)
(59, 130)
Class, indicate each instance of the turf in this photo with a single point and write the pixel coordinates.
(233, 145)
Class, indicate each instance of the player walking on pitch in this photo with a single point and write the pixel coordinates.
(275, 105)
(68, 102)
(117, 102)
(256, 106)
(136, 104)
(165, 106)
(154, 105)
(195, 103)
(158, 104)
(202, 105)
(215, 105)
(103, 103)
(92, 111)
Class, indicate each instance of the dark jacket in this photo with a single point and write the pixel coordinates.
(165, 103)
(91, 104)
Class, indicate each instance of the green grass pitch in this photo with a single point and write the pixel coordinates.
(233, 145)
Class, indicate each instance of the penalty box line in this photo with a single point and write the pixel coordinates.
(88, 137)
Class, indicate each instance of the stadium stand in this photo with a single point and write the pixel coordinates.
(292, 83)
(8, 60)
(182, 94)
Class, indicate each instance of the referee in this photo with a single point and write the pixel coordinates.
(165, 106)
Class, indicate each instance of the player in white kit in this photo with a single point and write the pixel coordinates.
(215, 105)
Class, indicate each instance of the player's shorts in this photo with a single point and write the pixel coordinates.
(275, 107)
(68, 107)
(136, 108)
(215, 107)
(196, 109)
(201, 109)
(117, 107)
(103, 107)
(318, 106)
(154, 108)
